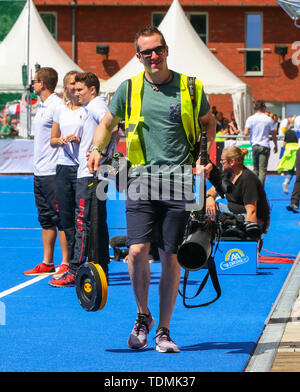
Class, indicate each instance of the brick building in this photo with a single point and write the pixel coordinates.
(250, 37)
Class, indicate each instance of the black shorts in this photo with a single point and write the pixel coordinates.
(45, 201)
(159, 221)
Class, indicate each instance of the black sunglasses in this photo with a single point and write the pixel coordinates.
(159, 50)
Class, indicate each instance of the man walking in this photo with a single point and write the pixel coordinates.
(259, 126)
(161, 128)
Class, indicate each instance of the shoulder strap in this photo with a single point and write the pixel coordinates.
(129, 90)
(192, 91)
(214, 278)
(192, 88)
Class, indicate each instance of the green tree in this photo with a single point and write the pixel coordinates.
(9, 12)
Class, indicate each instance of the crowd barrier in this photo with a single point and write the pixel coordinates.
(16, 155)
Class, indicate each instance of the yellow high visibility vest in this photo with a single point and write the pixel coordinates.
(288, 160)
(133, 115)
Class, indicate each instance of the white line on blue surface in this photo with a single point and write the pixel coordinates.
(17, 193)
(22, 285)
(20, 228)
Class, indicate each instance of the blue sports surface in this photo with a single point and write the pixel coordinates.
(44, 329)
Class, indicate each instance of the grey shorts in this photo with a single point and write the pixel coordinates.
(159, 221)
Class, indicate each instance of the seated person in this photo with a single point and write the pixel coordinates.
(233, 128)
(6, 131)
(247, 195)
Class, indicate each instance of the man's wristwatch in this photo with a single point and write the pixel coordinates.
(207, 196)
(97, 149)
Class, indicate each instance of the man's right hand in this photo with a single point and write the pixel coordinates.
(94, 161)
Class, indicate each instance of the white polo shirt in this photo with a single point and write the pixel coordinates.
(45, 156)
(70, 122)
(283, 126)
(260, 125)
(95, 111)
(297, 128)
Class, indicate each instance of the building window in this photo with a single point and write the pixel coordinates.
(292, 109)
(253, 45)
(284, 109)
(276, 108)
(198, 21)
(157, 18)
(50, 20)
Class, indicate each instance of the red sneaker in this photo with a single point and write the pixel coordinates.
(68, 280)
(60, 271)
(41, 269)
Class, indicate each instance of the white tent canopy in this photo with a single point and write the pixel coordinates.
(43, 50)
(189, 55)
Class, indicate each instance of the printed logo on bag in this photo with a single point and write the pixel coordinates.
(234, 258)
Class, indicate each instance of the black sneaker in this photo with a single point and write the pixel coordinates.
(164, 344)
(292, 207)
(142, 326)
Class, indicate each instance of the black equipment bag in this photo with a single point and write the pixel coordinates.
(91, 281)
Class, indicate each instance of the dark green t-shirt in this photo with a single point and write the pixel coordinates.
(5, 132)
(162, 135)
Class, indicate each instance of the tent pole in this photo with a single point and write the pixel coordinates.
(28, 73)
(74, 49)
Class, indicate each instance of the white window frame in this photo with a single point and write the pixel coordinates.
(207, 20)
(55, 15)
(188, 16)
(253, 49)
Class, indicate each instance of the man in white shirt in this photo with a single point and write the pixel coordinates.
(45, 159)
(87, 90)
(259, 126)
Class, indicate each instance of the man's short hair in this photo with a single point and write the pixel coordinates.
(89, 79)
(48, 76)
(147, 32)
(259, 104)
